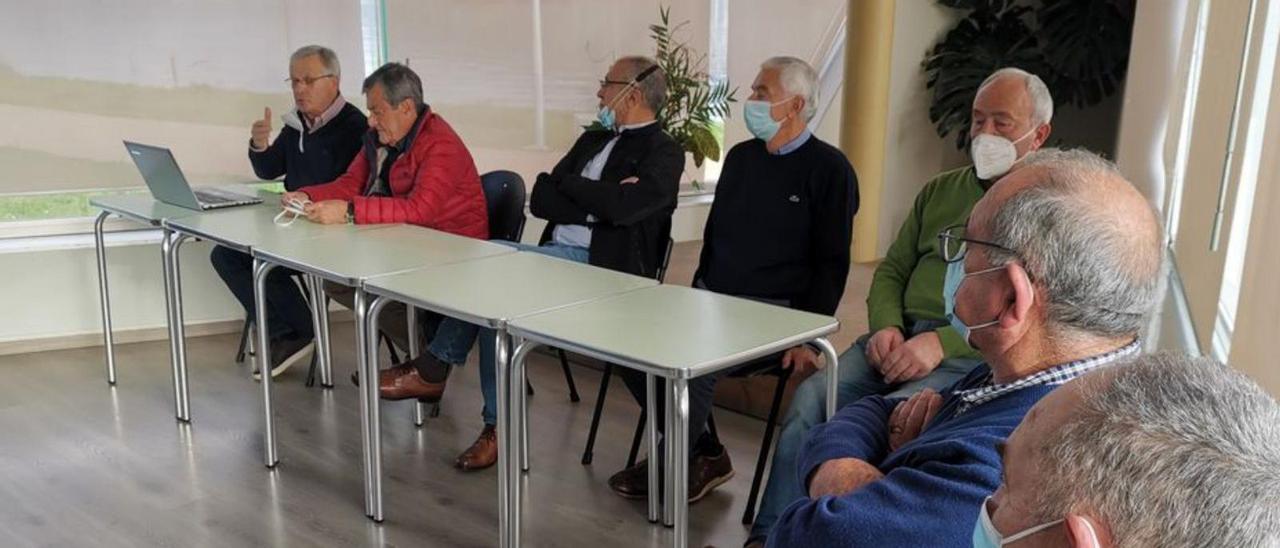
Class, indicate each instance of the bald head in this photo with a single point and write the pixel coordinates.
(1085, 236)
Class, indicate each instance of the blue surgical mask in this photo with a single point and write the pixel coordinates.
(759, 122)
(951, 286)
(985, 534)
(607, 116)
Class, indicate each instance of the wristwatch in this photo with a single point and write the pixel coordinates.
(351, 213)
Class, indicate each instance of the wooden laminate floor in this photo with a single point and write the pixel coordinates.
(84, 464)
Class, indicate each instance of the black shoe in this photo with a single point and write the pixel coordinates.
(285, 352)
(706, 472)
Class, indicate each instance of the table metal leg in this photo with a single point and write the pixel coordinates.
(170, 244)
(833, 373)
(260, 270)
(679, 441)
(320, 324)
(104, 296)
(411, 317)
(651, 429)
(372, 411)
(508, 504)
(360, 309)
(668, 497)
(523, 394)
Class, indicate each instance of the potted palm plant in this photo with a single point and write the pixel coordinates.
(696, 104)
(1079, 47)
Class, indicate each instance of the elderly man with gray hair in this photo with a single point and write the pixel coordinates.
(1054, 275)
(607, 203)
(1169, 450)
(910, 345)
(413, 168)
(778, 231)
(321, 135)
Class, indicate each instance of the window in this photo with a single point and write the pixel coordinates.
(77, 78)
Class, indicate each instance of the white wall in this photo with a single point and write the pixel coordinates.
(55, 293)
(1144, 148)
(913, 151)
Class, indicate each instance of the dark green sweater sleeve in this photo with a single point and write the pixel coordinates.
(898, 282)
(884, 300)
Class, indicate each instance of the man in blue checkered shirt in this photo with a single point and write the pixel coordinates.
(1055, 274)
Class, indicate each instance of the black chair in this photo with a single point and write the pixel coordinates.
(770, 365)
(504, 197)
(587, 455)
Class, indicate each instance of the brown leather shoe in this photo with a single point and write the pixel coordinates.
(384, 374)
(632, 483)
(482, 454)
(410, 385)
(705, 474)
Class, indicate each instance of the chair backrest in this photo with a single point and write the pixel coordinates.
(661, 274)
(504, 196)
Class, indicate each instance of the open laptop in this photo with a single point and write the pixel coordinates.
(167, 184)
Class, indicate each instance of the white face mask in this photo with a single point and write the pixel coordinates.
(291, 212)
(985, 534)
(994, 155)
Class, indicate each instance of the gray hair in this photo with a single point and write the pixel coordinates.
(327, 58)
(1100, 279)
(398, 82)
(653, 88)
(1041, 99)
(1169, 450)
(798, 78)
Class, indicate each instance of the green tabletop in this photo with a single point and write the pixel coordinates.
(140, 207)
(249, 227)
(674, 331)
(350, 253)
(494, 290)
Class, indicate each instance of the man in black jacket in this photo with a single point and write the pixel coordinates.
(608, 202)
(320, 138)
(779, 231)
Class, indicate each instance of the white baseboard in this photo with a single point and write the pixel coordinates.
(140, 334)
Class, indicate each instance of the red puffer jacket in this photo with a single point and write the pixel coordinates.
(433, 184)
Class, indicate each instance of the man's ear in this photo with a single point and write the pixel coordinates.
(797, 106)
(406, 107)
(1085, 532)
(1022, 296)
(1042, 134)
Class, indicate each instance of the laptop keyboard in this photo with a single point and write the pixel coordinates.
(215, 197)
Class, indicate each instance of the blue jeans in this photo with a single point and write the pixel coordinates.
(453, 338)
(808, 409)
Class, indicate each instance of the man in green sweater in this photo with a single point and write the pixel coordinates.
(911, 346)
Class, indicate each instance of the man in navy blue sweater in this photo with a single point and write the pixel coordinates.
(320, 138)
(1054, 275)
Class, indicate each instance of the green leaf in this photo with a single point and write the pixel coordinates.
(705, 143)
(694, 103)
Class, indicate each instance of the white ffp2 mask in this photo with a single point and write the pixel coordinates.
(994, 155)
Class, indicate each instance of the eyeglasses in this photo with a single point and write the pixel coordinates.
(607, 82)
(953, 244)
(307, 81)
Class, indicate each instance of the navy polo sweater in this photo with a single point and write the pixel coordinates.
(781, 225)
(324, 155)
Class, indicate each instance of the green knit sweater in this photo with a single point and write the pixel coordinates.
(907, 286)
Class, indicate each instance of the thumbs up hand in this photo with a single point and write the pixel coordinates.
(262, 130)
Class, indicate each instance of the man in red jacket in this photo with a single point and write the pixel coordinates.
(413, 169)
